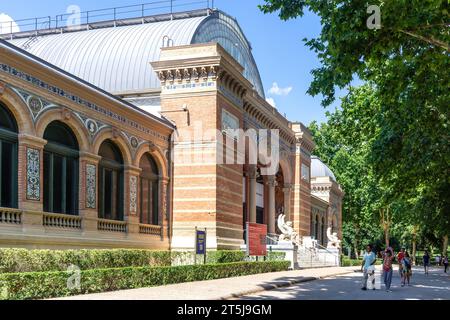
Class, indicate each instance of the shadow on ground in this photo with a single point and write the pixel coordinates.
(347, 287)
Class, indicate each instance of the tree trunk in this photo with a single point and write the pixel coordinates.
(385, 222)
(414, 249)
(444, 245)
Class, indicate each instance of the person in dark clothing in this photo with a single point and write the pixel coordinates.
(445, 262)
(426, 262)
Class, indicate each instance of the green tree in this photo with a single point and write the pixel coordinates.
(403, 134)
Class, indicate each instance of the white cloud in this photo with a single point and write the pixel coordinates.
(7, 24)
(271, 101)
(276, 90)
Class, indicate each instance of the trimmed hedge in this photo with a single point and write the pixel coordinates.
(346, 262)
(23, 260)
(225, 256)
(42, 285)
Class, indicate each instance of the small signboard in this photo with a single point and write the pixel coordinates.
(256, 239)
(200, 242)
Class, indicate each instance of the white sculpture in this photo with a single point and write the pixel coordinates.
(287, 231)
(333, 240)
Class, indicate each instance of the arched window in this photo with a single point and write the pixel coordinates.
(60, 169)
(8, 159)
(110, 182)
(149, 187)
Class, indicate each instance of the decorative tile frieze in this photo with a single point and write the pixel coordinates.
(33, 174)
(133, 194)
(75, 99)
(92, 126)
(35, 104)
(134, 141)
(91, 186)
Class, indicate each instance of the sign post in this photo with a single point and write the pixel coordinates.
(200, 244)
(256, 239)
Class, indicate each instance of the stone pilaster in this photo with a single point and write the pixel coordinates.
(164, 216)
(131, 211)
(287, 190)
(89, 190)
(252, 194)
(31, 171)
(271, 183)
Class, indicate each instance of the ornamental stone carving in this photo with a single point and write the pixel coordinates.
(164, 184)
(133, 194)
(91, 185)
(33, 174)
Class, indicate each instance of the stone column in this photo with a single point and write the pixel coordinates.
(30, 181)
(89, 191)
(252, 194)
(271, 183)
(287, 200)
(131, 210)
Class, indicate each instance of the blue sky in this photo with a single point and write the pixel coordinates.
(278, 48)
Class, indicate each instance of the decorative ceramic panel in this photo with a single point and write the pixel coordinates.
(133, 194)
(33, 174)
(91, 186)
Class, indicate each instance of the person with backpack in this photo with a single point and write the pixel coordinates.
(426, 262)
(388, 257)
(407, 269)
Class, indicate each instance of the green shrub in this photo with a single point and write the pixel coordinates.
(276, 256)
(346, 262)
(42, 285)
(23, 260)
(225, 256)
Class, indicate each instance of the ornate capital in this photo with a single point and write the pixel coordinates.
(252, 172)
(272, 181)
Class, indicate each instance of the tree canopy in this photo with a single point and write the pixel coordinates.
(389, 142)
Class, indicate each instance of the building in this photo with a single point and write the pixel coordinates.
(100, 142)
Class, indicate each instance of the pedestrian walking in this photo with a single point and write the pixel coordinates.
(400, 257)
(445, 262)
(369, 260)
(387, 268)
(407, 269)
(426, 261)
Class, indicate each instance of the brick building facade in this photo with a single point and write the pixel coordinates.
(132, 142)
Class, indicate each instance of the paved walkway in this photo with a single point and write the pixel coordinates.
(220, 289)
(435, 286)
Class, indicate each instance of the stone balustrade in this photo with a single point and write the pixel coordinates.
(150, 229)
(25, 228)
(10, 216)
(61, 221)
(112, 225)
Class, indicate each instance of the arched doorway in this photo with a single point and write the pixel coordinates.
(110, 184)
(8, 158)
(61, 169)
(149, 191)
